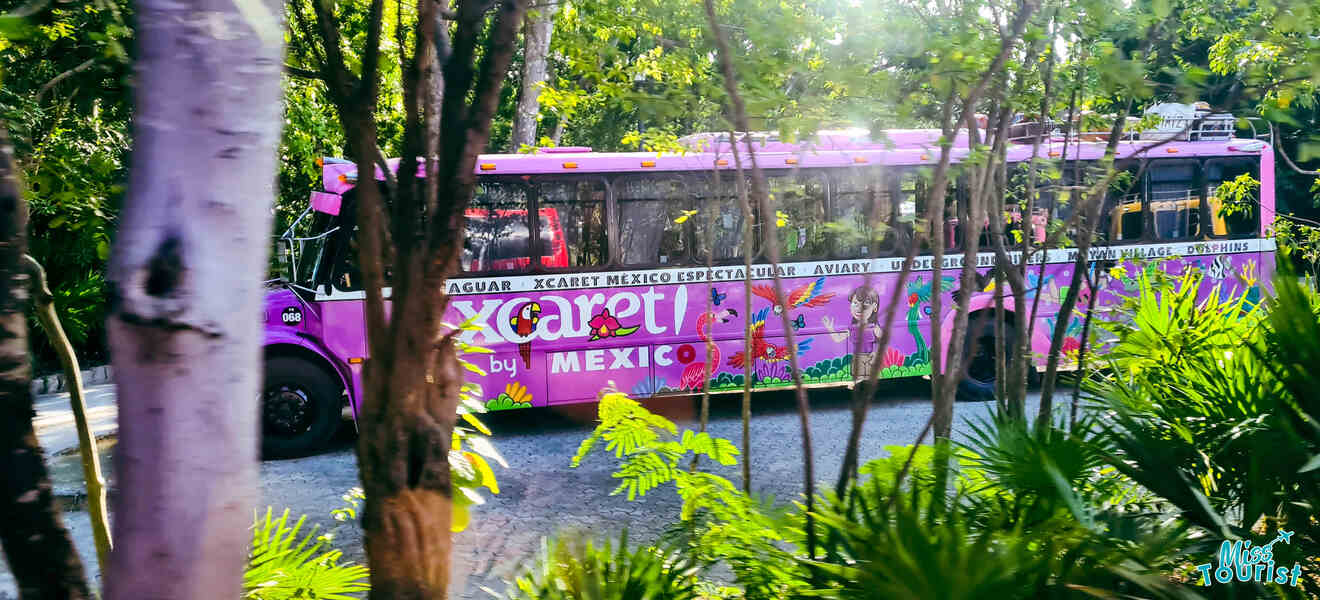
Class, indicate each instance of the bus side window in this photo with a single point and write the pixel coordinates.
(652, 230)
(497, 237)
(1123, 219)
(798, 201)
(1174, 199)
(571, 217)
(1233, 215)
(1015, 202)
(1070, 184)
(912, 228)
(719, 218)
(914, 217)
(862, 212)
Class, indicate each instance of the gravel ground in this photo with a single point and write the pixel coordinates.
(540, 494)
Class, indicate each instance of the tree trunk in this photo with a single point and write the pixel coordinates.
(43, 304)
(538, 26)
(186, 296)
(36, 544)
(403, 459)
(1090, 210)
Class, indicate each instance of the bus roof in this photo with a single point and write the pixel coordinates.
(901, 148)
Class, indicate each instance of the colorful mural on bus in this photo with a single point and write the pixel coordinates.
(608, 285)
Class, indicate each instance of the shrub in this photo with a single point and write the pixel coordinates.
(286, 564)
(587, 570)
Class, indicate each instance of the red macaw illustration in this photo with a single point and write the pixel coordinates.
(806, 296)
(524, 324)
(763, 350)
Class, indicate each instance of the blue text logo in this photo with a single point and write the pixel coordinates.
(1241, 561)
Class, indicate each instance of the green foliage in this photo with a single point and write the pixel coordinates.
(470, 449)
(915, 370)
(718, 523)
(573, 569)
(285, 563)
(1301, 239)
(1211, 406)
(66, 106)
(650, 446)
(829, 370)
(1033, 515)
(505, 402)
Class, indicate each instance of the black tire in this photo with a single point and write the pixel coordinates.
(978, 384)
(300, 410)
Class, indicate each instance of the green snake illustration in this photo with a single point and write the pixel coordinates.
(918, 304)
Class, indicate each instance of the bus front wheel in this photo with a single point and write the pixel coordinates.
(300, 410)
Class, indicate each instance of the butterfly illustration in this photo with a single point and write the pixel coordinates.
(799, 322)
(716, 297)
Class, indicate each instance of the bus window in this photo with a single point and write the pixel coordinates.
(1016, 199)
(863, 214)
(1071, 191)
(1231, 214)
(652, 230)
(719, 218)
(798, 202)
(497, 236)
(913, 216)
(1123, 219)
(1174, 200)
(911, 191)
(572, 221)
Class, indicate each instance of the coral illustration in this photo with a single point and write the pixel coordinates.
(648, 387)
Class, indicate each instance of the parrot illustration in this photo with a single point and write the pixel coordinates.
(764, 350)
(524, 324)
(806, 296)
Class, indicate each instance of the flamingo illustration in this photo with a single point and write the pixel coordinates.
(695, 373)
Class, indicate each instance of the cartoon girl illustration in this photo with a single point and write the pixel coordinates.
(864, 306)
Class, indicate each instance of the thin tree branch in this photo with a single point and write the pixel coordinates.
(87, 64)
(337, 75)
(304, 73)
(739, 114)
(1292, 165)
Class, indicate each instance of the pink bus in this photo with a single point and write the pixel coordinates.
(608, 285)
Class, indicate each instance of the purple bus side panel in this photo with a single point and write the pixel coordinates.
(654, 338)
(673, 338)
(345, 335)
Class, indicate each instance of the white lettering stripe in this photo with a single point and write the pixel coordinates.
(733, 273)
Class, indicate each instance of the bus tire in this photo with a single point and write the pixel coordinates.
(300, 411)
(978, 382)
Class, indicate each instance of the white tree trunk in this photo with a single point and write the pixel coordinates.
(538, 27)
(186, 296)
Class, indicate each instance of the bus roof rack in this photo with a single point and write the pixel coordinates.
(1188, 123)
(826, 139)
